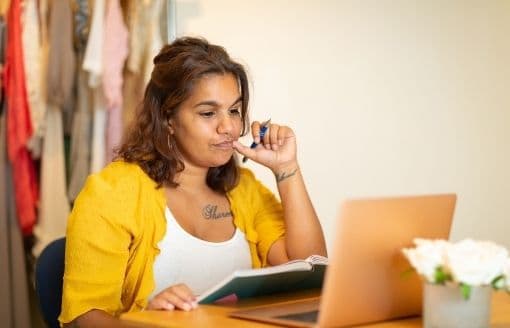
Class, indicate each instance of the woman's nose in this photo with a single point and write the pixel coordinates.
(226, 125)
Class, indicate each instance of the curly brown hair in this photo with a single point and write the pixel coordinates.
(177, 68)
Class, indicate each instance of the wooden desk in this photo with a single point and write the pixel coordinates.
(217, 316)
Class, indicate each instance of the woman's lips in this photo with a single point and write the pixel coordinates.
(224, 145)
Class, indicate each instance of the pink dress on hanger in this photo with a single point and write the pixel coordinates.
(115, 51)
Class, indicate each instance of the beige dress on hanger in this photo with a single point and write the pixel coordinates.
(54, 205)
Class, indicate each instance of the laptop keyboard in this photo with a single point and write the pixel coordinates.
(303, 316)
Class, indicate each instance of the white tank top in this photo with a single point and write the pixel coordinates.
(195, 262)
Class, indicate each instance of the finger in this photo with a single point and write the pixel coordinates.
(243, 150)
(255, 131)
(183, 297)
(178, 302)
(282, 133)
(160, 303)
(267, 137)
(274, 136)
(184, 292)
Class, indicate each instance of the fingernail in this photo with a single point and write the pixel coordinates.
(186, 307)
(170, 307)
(280, 142)
(194, 304)
(274, 146)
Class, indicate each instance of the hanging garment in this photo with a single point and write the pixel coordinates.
(14, 302)
(133, 90)
(2, 62)
(81, 25)
(81, 133)
(81, 138)
(93, 61)
(145, 41)
(93, 64)
(54, 208)
(4, 5)
(19, 127)
(113, 132)
(145, 36)
(98, 152)
(33, 77)
(43, 10)
(133, 83)
(137, 33)
(61, 60)
(115, 50)
(155, 41)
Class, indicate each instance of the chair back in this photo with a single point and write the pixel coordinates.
(49, 274)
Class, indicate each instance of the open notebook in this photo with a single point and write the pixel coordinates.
(291, 276)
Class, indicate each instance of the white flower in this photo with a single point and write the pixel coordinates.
(475, 263)
(427, 256)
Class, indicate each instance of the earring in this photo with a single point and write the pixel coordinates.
(170, 147)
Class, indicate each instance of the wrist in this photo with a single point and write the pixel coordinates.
(283, 172)
(285, 167)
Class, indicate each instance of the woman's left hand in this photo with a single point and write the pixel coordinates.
(277, 150)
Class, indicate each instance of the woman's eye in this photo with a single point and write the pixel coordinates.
(207, 114)
(235, 111)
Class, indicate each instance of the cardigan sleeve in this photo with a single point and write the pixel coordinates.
(269, 223)
(97, 250)
(267, 212)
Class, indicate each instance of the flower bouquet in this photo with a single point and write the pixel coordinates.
(458, 280)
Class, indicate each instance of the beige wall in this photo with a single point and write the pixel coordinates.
(386, 97)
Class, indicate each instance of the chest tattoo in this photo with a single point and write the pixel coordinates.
(210, 212)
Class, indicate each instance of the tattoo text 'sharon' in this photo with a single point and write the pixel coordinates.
(210, 213)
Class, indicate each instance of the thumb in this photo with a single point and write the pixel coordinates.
(243, 150)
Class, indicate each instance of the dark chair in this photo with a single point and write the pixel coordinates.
(49, 274)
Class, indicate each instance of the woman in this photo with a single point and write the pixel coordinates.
(175, 213)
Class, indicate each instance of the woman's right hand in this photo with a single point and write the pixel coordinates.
(174, 297)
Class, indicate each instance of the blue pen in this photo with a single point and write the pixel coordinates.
(262, 133)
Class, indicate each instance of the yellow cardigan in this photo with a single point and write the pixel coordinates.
(115, 226)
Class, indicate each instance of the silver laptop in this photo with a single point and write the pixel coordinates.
(366, 280)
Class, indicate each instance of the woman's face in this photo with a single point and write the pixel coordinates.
(205, 125)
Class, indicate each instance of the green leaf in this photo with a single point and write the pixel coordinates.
(441, 276)
(465, 290)
(498, 282)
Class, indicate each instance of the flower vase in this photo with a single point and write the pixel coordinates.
(444, 306)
